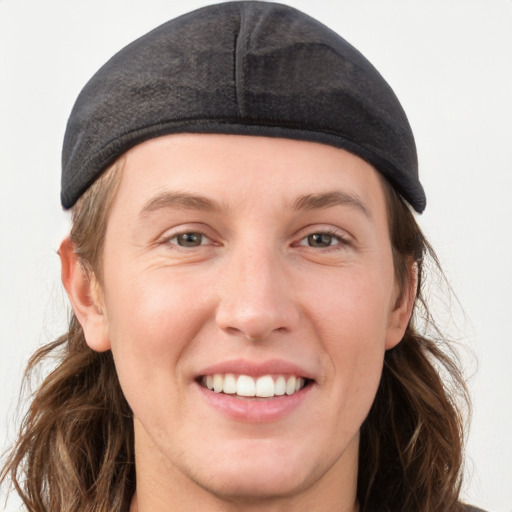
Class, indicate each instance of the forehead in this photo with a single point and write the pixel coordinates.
(238, 171)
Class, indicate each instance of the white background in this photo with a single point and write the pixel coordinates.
(449, 62)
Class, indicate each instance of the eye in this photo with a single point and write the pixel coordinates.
(190, 239)
(322, 240)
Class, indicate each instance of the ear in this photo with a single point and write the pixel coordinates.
(85, 295)
(401, 314)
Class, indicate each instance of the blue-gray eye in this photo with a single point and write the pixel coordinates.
(321, 240)
(189, 239)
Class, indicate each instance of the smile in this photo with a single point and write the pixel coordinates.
(266, 386)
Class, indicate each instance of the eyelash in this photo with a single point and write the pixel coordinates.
(342, 241)
(169, 239)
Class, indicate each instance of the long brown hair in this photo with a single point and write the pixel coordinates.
(75, 448)
(412, 442)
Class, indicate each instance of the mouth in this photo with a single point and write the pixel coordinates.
(247, 386)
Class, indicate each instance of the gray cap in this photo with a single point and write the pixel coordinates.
(247, 68)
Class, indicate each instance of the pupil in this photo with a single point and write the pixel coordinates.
(320, 240)
(189, 239)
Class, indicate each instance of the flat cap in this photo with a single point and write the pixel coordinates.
(247, 68)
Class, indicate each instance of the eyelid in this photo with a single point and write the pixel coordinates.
(172, 233)
(344, 237)
(205, 238)
(304, 241)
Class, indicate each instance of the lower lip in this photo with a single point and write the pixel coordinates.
(255, 410)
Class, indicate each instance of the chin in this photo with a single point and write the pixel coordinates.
(259, 470)
(255, 484)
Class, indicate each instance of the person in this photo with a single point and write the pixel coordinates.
(249, 327)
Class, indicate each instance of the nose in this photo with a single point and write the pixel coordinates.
(256, 297)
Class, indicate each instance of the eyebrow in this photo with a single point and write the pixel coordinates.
(181, 200)
(189, 201)
(328, 199)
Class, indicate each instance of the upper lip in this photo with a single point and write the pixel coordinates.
(256, 369)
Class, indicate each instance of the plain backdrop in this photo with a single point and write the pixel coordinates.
(449, 61)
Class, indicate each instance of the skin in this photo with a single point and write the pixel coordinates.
(255, 289)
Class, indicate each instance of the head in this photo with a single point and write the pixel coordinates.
(257, 295)
(243, 261)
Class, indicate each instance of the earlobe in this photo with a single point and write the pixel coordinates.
(401, 314)
(84, 294)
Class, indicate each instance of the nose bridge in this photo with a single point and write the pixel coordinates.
(255, 298)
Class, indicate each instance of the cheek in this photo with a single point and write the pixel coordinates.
(353, 308)
(350, 319)
(151, 325)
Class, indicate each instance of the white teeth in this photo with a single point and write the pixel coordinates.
(265, 386)
(290, 386)
(218, 383)
(229, 384)
(280, 387)
(247, 386)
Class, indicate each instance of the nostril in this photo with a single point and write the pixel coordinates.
(256, 327)
(256, 310)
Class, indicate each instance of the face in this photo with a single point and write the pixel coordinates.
(248, 298)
